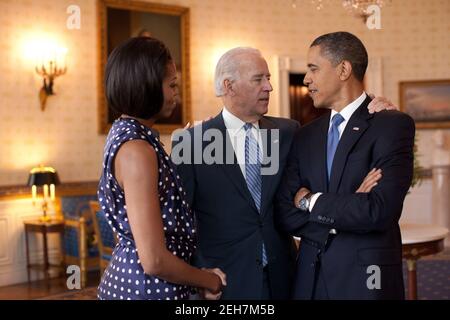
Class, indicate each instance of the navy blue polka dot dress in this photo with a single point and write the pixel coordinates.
(124, 278)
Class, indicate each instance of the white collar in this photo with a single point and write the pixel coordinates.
(349, 109)
(234, 123)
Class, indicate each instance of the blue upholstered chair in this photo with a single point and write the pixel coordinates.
(106, 239)
(79, 234)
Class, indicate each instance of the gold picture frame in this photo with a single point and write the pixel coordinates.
(427, 102)
(168, 21)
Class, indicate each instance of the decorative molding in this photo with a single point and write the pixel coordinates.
(426, 173)
(36, 242)
(12, 256)
(16, 206)
(283, 66)
(54, 256)
(5, 255)
(17, 273)
(64, 189)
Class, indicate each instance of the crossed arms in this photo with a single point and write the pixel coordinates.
(376, 209)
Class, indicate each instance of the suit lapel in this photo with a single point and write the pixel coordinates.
(318, 151)
(354, 129)
(232, 171)
(266, 182)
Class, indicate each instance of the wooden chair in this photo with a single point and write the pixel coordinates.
(106, 239)
(79, 243)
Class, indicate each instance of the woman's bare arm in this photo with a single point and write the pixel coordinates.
(136, 169)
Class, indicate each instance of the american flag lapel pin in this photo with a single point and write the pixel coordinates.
(355, 128)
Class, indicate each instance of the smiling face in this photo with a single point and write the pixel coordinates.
(322, 79)
(251, 90)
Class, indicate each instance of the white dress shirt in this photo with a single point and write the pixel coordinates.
(346, 113)
(236, 132)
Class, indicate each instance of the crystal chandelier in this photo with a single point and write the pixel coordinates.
(356, 7)
(359, 7)
(316, 3)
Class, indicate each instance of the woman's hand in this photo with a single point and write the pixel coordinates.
(215, 294)
(370, 181)
(222, 276)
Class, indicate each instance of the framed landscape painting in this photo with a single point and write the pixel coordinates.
(427, 102)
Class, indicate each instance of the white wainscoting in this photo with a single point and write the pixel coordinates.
(12, 242)
(417, 209)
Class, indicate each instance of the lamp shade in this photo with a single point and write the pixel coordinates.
(43, 175)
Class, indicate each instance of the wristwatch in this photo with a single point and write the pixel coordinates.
(303, 204)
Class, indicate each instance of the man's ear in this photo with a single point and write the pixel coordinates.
(344, 70)
(228, 85)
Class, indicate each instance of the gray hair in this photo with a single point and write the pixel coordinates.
(228, 67)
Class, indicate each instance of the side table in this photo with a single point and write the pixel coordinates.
(44, 227)
(419, 241)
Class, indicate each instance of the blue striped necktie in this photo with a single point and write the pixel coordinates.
(333, 140)
(253, 172)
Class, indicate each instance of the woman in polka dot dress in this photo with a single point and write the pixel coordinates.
(139, 191)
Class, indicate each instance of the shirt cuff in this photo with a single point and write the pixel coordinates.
(313, 200)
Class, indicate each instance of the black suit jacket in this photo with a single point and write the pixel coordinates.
(367, 223)
(230, 229)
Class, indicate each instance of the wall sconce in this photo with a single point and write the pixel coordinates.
(51, 65)
(45, 177)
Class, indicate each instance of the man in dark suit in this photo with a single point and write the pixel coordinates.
(350, 238)
(231, 167)
(232, 200)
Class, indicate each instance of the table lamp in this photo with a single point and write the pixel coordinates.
(46, 178)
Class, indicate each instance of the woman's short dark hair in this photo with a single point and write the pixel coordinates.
(134, 76)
